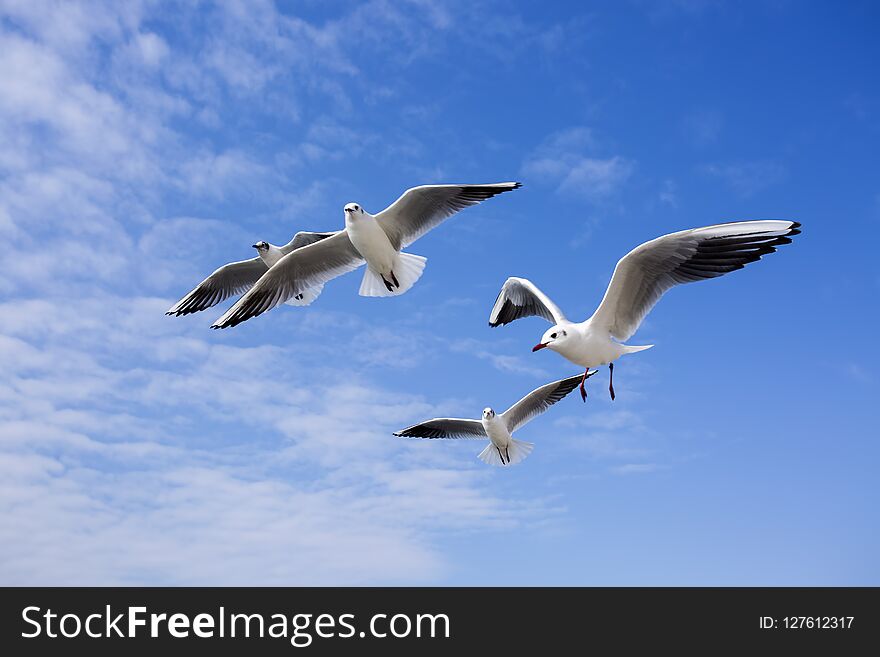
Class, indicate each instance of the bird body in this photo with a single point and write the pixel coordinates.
(370, 240)
(388, 272)
(496, 429)
(640, 278)
(589, 346)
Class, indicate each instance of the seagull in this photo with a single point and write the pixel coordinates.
(238, 277)
(374, 239)
(639, 280)
(502, 449)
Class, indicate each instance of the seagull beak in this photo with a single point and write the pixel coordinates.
(254, 246)
(539, 346)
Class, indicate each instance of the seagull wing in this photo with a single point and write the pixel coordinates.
(304, 238)
(645, 273)
(538, 401)
(234, 278)
(422, 208)
(519, 297)
(301, 270)
(445, 427)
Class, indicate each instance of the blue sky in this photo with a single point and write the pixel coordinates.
(145, 143)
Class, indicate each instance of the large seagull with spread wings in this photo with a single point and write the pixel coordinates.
(376, 240)
(639, 280)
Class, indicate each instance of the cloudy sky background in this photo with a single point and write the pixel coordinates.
(144, 143)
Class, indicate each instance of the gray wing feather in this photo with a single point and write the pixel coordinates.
(519, 298)
(538, 401)
(234, 278)
(304, 238)
(445, 427)
(422, 208)
(304, 268)
(643, 275)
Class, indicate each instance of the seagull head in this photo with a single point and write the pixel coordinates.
(353, 210)
(261, 246)
(488, 413)
(553, 338)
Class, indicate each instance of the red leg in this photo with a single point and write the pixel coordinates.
(583, 390)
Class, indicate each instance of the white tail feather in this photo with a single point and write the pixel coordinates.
(307, 296)
(407, 269)
(518, 451)
(631, 349)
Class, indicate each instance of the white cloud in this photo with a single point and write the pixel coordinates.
(209, 463)
(565, 160)
(141, 449)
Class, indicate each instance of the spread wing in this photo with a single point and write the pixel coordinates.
(234, 278)
(538, 401)
(518, 298)
(305, 268)
(644, 274)
(422, 208)
(304, 238)
(445, 427)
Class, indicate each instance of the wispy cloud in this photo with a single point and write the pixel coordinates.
(567, 161)
(136, 449)
(635, 468)
(747, 178)
(501, 362)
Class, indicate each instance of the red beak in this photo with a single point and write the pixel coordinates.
(538, 346)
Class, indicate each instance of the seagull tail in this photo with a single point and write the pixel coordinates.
(518, 451)
(631, 349)
(407, 270)
(306, 297)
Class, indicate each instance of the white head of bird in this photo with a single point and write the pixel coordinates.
(555, 338)
(353, 211)
(269, 253)
(488, 413)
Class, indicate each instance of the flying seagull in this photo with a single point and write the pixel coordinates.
(238, 277)
(502, 449)
(640, 279)
(376, 239)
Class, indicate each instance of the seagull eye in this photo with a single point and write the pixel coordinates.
(553, 335)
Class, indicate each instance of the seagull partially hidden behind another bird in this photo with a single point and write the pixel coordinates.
(374, 239)
(239, 277)
(640, 279)
(503, 448)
